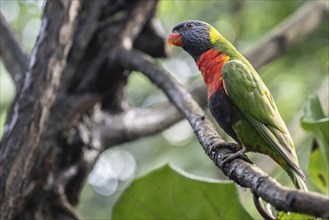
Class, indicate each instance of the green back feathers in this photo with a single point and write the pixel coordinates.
(247, 91)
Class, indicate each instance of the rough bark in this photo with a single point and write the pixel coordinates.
(31, 107)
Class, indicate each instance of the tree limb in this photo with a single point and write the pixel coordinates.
(30, 112)
(131, 124)
(137, 21)
(243, 173)
(11, 51)
(152, 39)
(109, 130)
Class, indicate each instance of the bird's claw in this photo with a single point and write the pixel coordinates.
(231, 146)
(239, 153)
(266, 213)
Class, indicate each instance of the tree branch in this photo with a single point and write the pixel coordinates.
(288, 33)
(243, 173)
(152, 39)
(137, 20)
(30, 112)
(109, 130)
(11, 51)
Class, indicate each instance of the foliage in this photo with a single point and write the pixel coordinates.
(317, 124)
(293, 216)
(178, 196)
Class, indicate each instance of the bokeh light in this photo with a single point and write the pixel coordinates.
(111, 167)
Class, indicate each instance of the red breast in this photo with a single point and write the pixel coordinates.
(211, 63)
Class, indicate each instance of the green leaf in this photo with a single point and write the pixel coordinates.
(318, 169)
(317, 124)
(168, 194)
(293, 216)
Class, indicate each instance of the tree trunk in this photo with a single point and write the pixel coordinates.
(71, 76)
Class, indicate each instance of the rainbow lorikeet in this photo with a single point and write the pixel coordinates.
(237, 97)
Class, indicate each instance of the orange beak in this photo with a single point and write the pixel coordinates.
(175, 39)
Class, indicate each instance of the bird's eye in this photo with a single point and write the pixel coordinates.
(189, 25)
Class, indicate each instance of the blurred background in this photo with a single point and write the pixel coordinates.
(292, 78)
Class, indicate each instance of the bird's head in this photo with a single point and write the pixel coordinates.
(194, 36)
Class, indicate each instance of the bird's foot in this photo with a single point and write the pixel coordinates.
(231, 146)
(239, 153)
(265, 212)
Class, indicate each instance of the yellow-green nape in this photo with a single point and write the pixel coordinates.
(214, 35)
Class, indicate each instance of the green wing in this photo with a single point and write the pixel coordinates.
(248, 92)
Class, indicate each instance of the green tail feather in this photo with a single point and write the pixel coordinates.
(298, 182)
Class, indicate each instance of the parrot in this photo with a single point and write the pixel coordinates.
(238, 98)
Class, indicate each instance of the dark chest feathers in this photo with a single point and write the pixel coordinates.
(225, 112)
